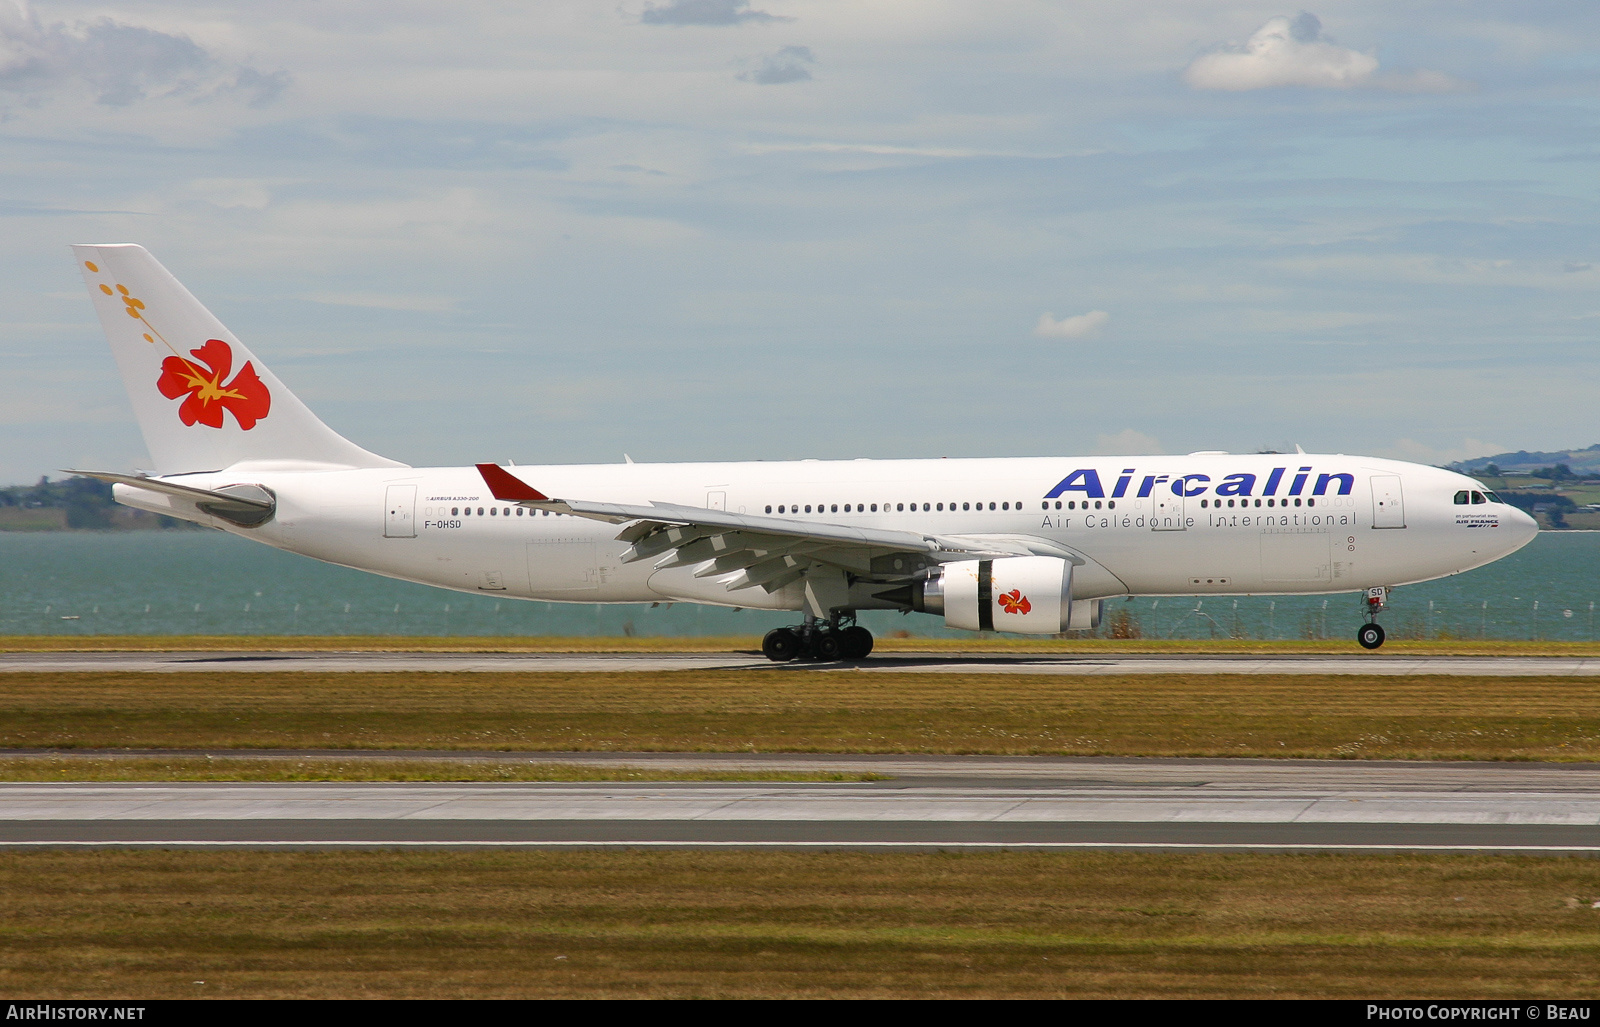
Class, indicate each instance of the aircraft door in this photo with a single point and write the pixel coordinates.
(400, 512)
(1388, 504)
(1166, 509)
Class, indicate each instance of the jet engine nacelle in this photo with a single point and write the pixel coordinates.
(1026, 594)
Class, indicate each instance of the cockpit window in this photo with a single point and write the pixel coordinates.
(1477, 497)
(1461, 498)
(1491, 497)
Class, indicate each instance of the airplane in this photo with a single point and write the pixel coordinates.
(1027, 545)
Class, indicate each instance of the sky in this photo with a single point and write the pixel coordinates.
(771, 229)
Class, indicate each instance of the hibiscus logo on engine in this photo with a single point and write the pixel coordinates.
(206, 395)
(1015, 602)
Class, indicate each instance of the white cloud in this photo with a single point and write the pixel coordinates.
(703, 12)
(1294, 52)
(1127, 442)
(411, 302)
(121, 63)
(787, 65)
(1076, 327)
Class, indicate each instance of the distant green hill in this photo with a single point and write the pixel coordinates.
(72, 503)
(1584, 463)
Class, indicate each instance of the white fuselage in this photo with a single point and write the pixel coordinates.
(1164, 525)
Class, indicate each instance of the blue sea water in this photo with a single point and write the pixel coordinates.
(208, 582)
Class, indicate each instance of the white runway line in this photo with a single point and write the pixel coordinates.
(477, 844)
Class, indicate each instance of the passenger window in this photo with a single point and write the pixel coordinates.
(1461, 498)
(455, 511)
(1111, 504)
(1311, 502)
(991, 506)
(1477, 497)
(834, 508)
(924, 507)
(769, 509)
(899, 507)
(874, 507)
(1058, 504)
(941, 508)
(808, 508)
(1297, 502)
(1005, 506)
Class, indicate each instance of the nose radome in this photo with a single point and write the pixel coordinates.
(1523, 526)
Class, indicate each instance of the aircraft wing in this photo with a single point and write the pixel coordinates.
(767, 551)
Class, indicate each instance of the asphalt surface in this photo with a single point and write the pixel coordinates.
(1356, 662)
(931, 803)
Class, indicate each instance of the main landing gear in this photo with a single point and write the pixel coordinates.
(835, 640)
(1370, 636)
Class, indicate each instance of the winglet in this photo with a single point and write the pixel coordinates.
(507, 487)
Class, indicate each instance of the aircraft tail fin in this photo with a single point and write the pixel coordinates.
(203, 401)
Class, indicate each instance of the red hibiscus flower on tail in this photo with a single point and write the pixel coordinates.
(1015, 602)
(206, 395)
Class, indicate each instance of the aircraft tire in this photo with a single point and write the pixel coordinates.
(1370, 636)
(781, 645)
(855, 643)
(825, 646)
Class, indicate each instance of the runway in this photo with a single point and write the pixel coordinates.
(897, 662)
(932, 803)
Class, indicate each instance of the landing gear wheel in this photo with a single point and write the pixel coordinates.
(781, 645)
(1370, 636)
(855, 643)
(825, 646)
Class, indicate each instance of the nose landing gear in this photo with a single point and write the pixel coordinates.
(839, 639)
(1370, 635)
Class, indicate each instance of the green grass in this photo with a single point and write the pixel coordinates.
(153, 768)
(685, 924)
(769, 710)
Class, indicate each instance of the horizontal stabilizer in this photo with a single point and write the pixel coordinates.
(246, 505)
